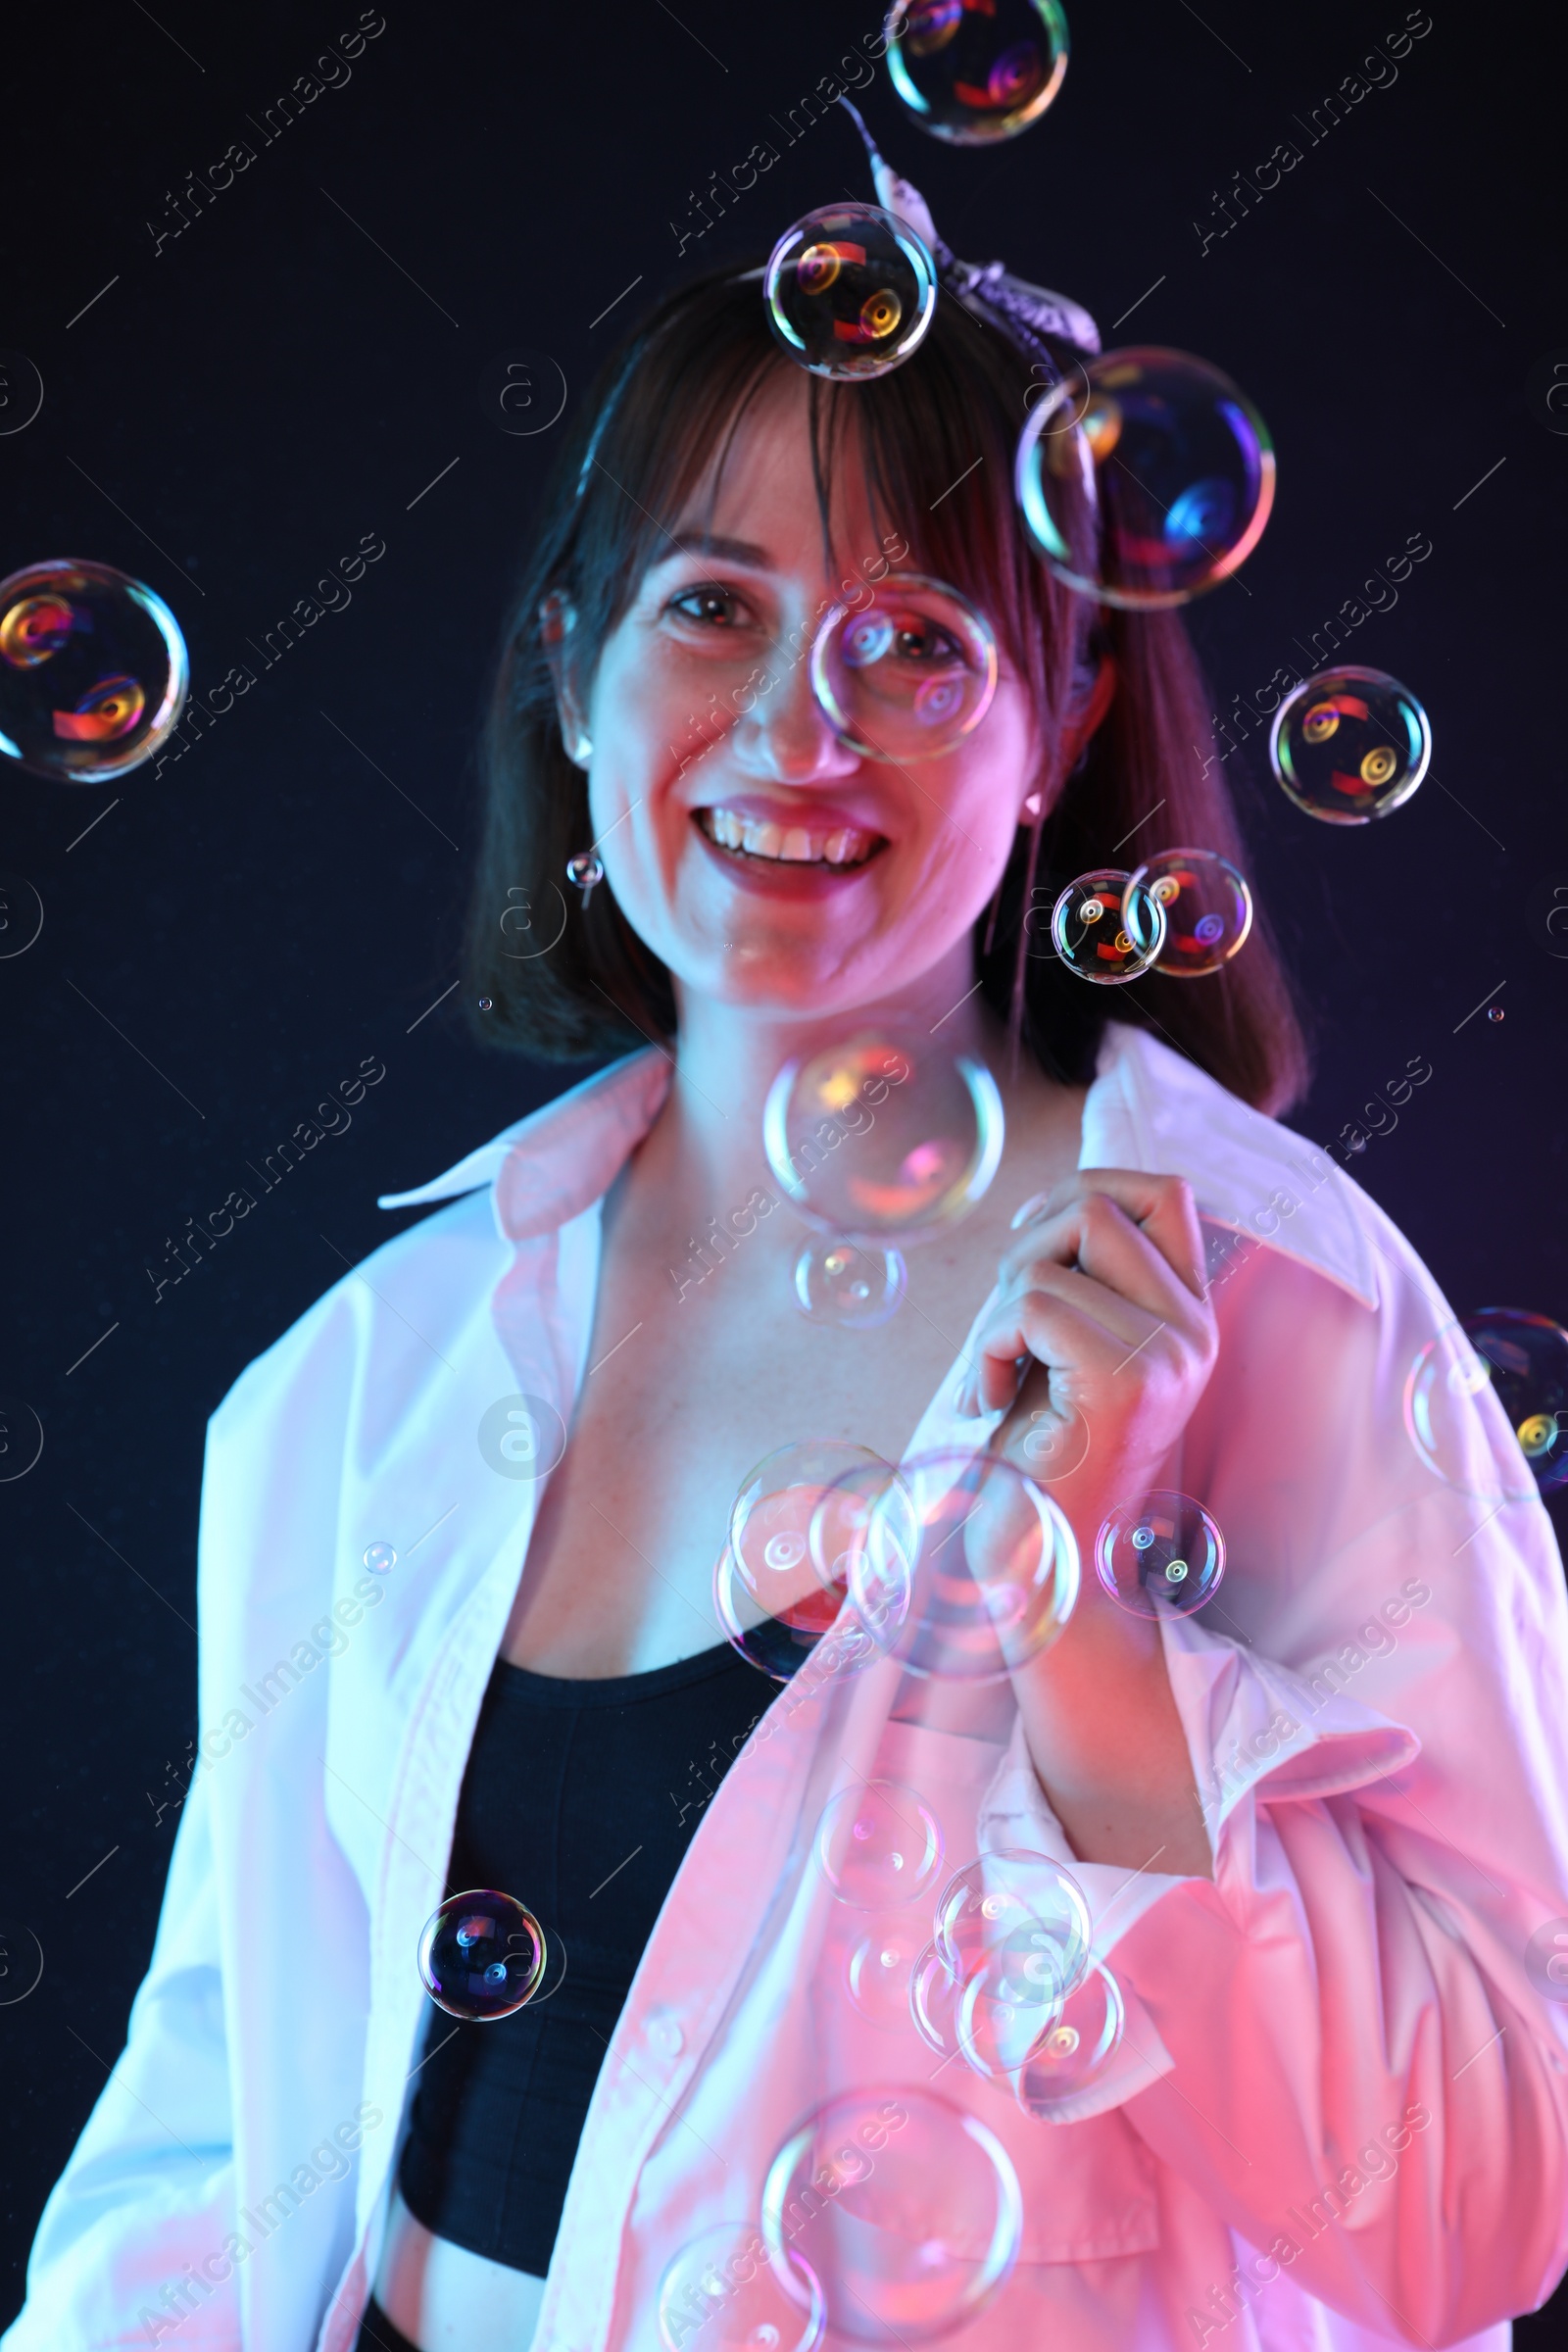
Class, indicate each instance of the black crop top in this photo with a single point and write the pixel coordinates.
(581, 1800)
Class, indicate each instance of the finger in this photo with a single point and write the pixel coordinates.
(1099, 1238)
(1162, 1206)
(1066, 1322)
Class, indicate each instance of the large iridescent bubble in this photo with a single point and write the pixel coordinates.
(1349, 744)
(905, 2209)
(850, 291)
(988, 1560)
(972, 72)
(1174, 462)
(888, 1136)
(907, 671)
(720, 2293)
(92, 671)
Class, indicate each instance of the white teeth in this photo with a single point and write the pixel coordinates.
(791, 844)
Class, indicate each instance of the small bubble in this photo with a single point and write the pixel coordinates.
(1494, 1012)
(486, 1004)
(379, 1559)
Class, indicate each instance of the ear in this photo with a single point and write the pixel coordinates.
(558, 620)
(1076, 734)
(1089, 717)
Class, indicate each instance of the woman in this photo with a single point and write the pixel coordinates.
(1317, 1827)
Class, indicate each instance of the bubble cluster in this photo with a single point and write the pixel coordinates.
(850, 291)
(1208, 909)
(482, 1955)
(1008, 1892)
(1106, 927)
(1164, 1555)
(906, 672)
(1349, 744)
(982, 1561)
(905, 2209)
(972, 72)
(93, 671)
(1172, 459)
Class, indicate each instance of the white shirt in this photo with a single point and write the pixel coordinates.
(1386, 1836)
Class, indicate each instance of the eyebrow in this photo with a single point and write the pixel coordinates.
(714, 542)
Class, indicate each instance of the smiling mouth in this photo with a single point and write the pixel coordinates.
(789, 845)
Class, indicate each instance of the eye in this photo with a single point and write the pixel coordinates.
(918, 639)
(709, 606)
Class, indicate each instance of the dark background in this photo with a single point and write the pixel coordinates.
(274, 383)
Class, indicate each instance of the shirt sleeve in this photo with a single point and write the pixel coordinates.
(149, 2190)
(1345, 2044)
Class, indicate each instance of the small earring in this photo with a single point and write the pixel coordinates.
(585, 872)
(580, 751)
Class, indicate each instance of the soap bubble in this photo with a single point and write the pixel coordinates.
(1177, 463)
(986, 1559)
(721, 2294)
(1107, 929)
(878, 1845)
(482, 1955)
(907, 2210)
(907, 672)
(973, 73)
(1207, 908)
(92, 671)
(885, 1134)
(1348, 744)
(781, 1582)
(380, 1558)
(1000, 1895)
(878, 1970)
(848, 1283)
(1164, 1554)
(1523, 1359)
(20, 916)
(850, 291)
(1529, 1359)
(1080, 2044)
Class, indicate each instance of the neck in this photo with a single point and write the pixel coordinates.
(728, 1056)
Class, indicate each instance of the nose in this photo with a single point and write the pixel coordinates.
(785, 737)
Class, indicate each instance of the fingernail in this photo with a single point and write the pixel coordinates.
(1031, 1207)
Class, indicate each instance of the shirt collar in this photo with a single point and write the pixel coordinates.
(547, 1168)
(1148, 1107)
(1153, 1109)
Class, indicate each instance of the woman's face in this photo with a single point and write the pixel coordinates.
(767, 864)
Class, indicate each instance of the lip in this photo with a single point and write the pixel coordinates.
(772, 878)
(818, 816)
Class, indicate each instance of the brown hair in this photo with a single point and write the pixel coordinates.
(639, 449)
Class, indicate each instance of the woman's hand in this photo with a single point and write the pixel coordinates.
(1102, 1311)
(1102, 1306)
